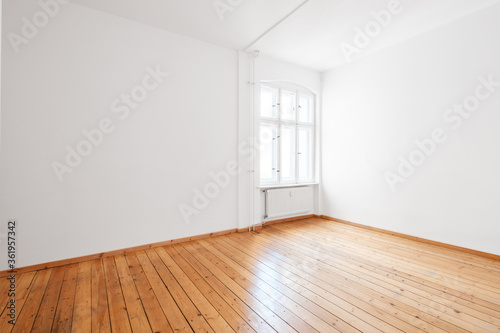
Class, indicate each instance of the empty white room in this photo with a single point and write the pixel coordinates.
(250, 166)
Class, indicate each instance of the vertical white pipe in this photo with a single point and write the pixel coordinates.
(1, 42)
(252, 135)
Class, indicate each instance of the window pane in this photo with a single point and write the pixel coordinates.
(268, 153)
(288, 102)
(287, 139)
(269, 102)
(306, 108)
(305, 154)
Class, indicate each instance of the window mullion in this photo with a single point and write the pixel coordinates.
(297, 103)
(279, 153)
(279, 137)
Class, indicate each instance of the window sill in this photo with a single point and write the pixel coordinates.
(266, 187)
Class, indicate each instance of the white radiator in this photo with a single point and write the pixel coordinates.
(288, 202)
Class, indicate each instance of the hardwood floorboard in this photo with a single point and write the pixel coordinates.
(432, 276)
(468, 315)
(231, 297)
(47, 310)
(174, 315)
(233, 318)
(194, 317)
(82, 315)
(281, 307)
(155, 315)
(65, 305)
(24, 284)
(118, 312)
(26, 317)
(137, 316)
(309, 310)
(100, 318)
(211, 314)
(380, 291)
(354, 309)
(479, 283)
(311, 275)
(281, 295)
(418, 250)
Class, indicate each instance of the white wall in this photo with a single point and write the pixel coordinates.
(375, 108)
(127, 192)
(1, 24)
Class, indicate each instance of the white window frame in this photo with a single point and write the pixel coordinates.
(278, 122)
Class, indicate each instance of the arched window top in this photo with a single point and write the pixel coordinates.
(289, 85)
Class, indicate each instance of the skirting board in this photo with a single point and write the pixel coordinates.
(418, 239)
(70, 261)
(289, 219)
(247, 229)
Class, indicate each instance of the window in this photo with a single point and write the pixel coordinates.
(287, 135)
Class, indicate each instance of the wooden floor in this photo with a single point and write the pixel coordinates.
(306, 276)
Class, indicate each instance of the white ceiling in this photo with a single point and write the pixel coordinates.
(304, 32)
(199, 19)
(312, 36)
